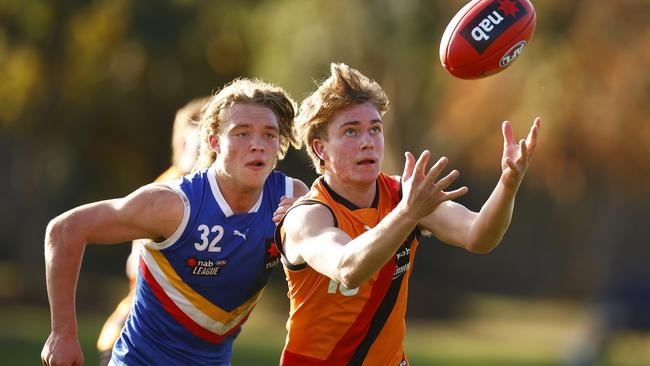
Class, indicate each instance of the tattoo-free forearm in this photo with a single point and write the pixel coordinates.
(367, 253)
(494, 218)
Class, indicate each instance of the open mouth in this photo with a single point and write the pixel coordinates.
(366, 162)
(256, 164)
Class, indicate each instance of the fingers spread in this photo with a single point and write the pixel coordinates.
(435, 170)
(452, 195)
(421, 164)
(447, 180)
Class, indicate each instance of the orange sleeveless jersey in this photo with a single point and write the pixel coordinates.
(332, 325)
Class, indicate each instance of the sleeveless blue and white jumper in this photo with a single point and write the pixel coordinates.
(196, 289)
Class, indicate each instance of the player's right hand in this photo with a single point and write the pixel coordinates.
(421, 193)
(62, 351)
(283, 207)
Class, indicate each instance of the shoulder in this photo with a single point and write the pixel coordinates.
(299, 188)
(155, 198)
(170, 174)
(154, 193)
(308, 216)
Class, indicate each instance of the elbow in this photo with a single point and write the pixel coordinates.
(53, 230)
(55, 234)
(351, 281)
(481, 247)
(351, 272)
(350, 278)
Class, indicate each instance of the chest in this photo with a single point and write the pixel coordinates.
(221, 253)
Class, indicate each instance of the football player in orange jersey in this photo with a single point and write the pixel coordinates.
(348, 245)
(185, 148)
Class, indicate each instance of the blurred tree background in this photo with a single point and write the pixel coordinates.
(88, 91)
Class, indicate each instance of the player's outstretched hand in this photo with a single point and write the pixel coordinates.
(285, 203)
(517, 156)
(421, 192)
(62, 351)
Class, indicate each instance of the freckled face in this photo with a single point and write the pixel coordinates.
(354, 149)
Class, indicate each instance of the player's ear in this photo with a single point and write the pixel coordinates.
(319, 149)
(213, 141)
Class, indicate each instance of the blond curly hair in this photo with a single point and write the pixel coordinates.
(246, 91)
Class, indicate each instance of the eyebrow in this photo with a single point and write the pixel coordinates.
(355, 123)
(248, 125)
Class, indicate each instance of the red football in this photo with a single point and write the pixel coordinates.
(486, 36)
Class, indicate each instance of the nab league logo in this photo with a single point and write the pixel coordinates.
(271, 256)
(205, 267)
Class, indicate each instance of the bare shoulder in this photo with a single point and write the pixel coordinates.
(299, 188)
(302, 224)
(308, 220)
(155, 206)
(152, 197)
(152, 211)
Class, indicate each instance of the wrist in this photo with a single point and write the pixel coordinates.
(66, 328)
(510, 182)
(405, 215)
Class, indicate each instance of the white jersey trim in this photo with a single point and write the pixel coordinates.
(186, 217)
(221, 201)
(288, 187)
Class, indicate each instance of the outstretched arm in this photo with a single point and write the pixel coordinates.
(150, 212)
(481, 232)
(311, 236)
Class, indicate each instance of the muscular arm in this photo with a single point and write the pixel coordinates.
(311, 237)
(481, 232)
(478, 232)
(150, 212)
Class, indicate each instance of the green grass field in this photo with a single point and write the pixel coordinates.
(496, 331)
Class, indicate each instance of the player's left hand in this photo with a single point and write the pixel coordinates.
(517, 156)
(285, 203)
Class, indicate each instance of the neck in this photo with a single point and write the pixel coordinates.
(360, 194)
(240, 198)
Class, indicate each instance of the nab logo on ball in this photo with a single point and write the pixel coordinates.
(486, 36)
(492, 22)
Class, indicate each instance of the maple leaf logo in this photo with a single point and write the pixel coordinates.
(508, 7)
(191, 262)
(272, 250)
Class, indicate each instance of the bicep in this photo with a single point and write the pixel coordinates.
(311, 237)
(323, 252)
(149, 212)
(450, 222)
